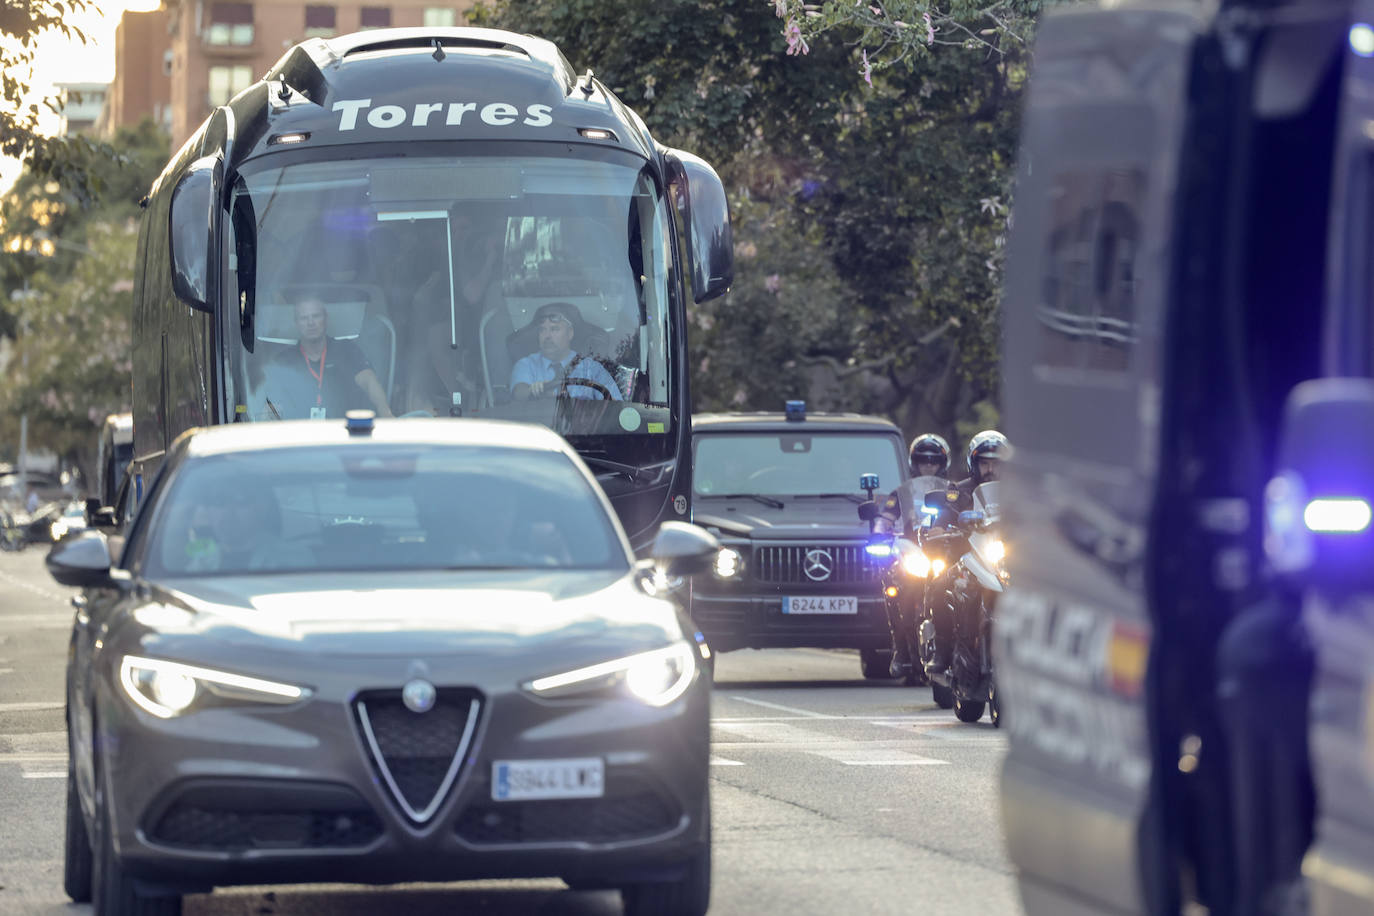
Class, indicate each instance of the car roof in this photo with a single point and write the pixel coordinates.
(772, 421)
(238, 437)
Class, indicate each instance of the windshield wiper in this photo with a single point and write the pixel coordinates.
(606, 464)
(766, 500)
(849, 496)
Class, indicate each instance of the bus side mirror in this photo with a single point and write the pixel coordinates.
(697, 191)
(190, 227)
(1317, 508)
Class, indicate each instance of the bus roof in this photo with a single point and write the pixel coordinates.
(424, 84)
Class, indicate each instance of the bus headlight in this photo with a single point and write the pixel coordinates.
(729, 563)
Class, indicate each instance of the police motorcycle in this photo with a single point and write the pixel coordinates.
(902, 573)
(970, 588)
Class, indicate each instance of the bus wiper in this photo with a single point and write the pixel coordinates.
(766, 500)
(606, 464)
(849, 496)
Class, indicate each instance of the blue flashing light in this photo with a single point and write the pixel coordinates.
(930, 510)
(1349, 515)
(795, 410)
(880, 551)
(359, 422)
(1362, 39)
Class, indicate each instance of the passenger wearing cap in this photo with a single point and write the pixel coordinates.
(540, 373)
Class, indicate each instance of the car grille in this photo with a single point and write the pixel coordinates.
(198, 827)
(634, 810)
(788, 565)
(417, 754)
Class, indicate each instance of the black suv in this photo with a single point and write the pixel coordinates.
(779, 491)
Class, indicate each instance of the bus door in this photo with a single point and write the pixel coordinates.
(1083, 310)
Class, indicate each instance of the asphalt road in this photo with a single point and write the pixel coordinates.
(830, 794)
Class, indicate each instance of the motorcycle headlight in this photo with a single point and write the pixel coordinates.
(656, 678)
(916, 563)
(58, 530)
(168, 689)
(729, 563)
(996, 550)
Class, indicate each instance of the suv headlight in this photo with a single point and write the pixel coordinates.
(657, 678)
(168, 689)
(729, 563)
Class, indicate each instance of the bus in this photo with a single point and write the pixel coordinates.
(388, 220)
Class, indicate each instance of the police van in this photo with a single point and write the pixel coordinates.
(1187, 655)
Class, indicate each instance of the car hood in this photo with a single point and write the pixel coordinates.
(799, 519)
(488, 614)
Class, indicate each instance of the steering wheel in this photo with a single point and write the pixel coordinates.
(580, 382)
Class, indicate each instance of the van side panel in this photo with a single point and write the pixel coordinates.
(1087, 281)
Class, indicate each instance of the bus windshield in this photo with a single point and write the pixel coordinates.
(532, 288)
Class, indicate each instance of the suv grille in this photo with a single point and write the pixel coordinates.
(789, 565)
(417, 755)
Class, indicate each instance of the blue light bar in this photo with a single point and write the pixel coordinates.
(795, 410)
(878, 550)
(1350, 515)
(1362, 39)
(930, 510)
(359, 421)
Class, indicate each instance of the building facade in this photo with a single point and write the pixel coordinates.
(142, 86)
(80, 105)
(218, 48)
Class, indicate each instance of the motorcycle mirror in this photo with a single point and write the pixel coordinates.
(971, 517)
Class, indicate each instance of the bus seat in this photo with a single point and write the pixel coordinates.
(492, 333)
(377, 339)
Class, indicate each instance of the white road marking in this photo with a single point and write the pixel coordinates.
(6, 670)
(778, 706)
(31, 621)
(29, 707)
(878, 757)
(47, 774)
(772, 733)
(41, 592)
(723, 762)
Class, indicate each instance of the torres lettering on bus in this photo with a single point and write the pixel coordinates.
(451, 114)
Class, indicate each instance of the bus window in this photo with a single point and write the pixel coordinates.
(430, 271)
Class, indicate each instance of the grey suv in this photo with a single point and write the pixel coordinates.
(781, 496)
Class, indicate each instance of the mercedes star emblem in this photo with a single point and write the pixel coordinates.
(418, 695)
(819, 564)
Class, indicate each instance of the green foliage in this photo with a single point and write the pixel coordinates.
(67, 160)
(869, 217)
(67, 269)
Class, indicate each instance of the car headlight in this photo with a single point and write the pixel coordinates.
(168, 689)
(657, 678)
(58, 530)
(729, 563)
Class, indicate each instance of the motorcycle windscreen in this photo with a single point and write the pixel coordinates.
(1087, 272)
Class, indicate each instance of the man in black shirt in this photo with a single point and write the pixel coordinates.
(323, 376)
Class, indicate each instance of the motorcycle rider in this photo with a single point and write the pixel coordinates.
(929, 457)
(985, 452)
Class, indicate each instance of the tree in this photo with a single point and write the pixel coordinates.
(65, 343)
(66, 160)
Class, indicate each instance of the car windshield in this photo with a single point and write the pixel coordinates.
(794, 464)
(380, 507)
(453, 284)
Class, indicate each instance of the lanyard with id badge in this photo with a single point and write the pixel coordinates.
(317, 412)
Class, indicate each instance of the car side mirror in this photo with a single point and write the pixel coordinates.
(1317, 507)
(681, 549)
(92, 508)
(81, 561)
